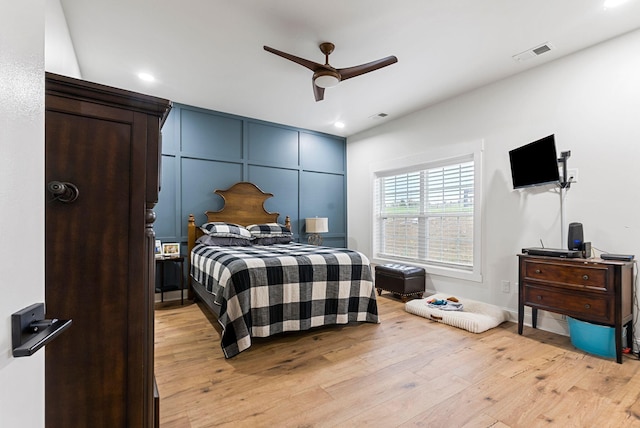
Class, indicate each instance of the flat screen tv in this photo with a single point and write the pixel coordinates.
(535, 164)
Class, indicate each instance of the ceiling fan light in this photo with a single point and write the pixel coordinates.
(326, 80)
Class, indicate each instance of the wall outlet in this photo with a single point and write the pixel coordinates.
(506, 286)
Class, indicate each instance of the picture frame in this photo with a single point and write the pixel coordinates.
(157, 251)
(171, 249)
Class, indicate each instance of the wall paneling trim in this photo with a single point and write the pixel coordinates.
(204, 150)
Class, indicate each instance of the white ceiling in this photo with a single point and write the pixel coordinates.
(208, 53)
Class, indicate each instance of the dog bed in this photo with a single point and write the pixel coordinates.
(476, 317)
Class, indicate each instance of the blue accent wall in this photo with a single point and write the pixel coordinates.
(204, 150)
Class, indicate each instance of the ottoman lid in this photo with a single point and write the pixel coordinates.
(404, 271)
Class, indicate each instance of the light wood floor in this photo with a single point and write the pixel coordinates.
(405, 371)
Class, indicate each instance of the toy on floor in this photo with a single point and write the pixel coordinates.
(448, 304)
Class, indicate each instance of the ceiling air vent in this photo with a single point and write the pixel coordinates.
(533, 52)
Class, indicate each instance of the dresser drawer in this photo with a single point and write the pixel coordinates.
(586, 306)
(591, 276)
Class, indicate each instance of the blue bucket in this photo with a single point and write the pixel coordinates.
(593, 338)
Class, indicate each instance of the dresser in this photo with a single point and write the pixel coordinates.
(593, 290)
(102, 160)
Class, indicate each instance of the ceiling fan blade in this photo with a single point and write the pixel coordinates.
(313, 66)
(318, 92)
(348, 73)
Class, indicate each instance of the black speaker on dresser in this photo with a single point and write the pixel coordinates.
(575, 236)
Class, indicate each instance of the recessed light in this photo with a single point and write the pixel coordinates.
(146, 77)
(339, 125)
(608, 4)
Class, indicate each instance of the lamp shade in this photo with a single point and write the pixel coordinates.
(317, 224)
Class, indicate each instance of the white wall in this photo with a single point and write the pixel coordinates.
(60, 56)
(21, 202)
(589, 100)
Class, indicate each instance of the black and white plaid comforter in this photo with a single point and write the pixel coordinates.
(265, 290)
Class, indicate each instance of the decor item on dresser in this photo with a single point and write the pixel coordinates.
(171, 249)
(314, 227)
(99, 252)
(262, 289)
(157, 251)
(592, 290)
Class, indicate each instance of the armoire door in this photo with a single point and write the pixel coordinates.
(99, 373)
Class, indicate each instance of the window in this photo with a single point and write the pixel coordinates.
(427, 214)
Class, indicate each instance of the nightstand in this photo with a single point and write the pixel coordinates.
(166, 282)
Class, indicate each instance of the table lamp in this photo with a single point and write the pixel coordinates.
(314, 227)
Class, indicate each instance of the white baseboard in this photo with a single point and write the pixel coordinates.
(547, 321)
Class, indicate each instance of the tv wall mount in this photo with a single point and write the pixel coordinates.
(564, 184)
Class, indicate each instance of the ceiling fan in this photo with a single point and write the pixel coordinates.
(324, 75)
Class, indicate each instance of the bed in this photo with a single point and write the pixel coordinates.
(269, 287)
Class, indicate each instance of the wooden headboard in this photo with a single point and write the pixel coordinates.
(243, 205)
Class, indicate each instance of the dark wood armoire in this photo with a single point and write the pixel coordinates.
(102, 161)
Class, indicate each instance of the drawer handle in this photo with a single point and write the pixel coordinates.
(539, 297)
(587, 306)
(585, 277)
(538, 271)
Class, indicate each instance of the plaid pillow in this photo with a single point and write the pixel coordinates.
(282, 239)
(221, 229)
(268, 230)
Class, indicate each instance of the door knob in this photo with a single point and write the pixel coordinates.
(63, 191)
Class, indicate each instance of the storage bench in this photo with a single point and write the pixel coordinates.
(400, 279)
